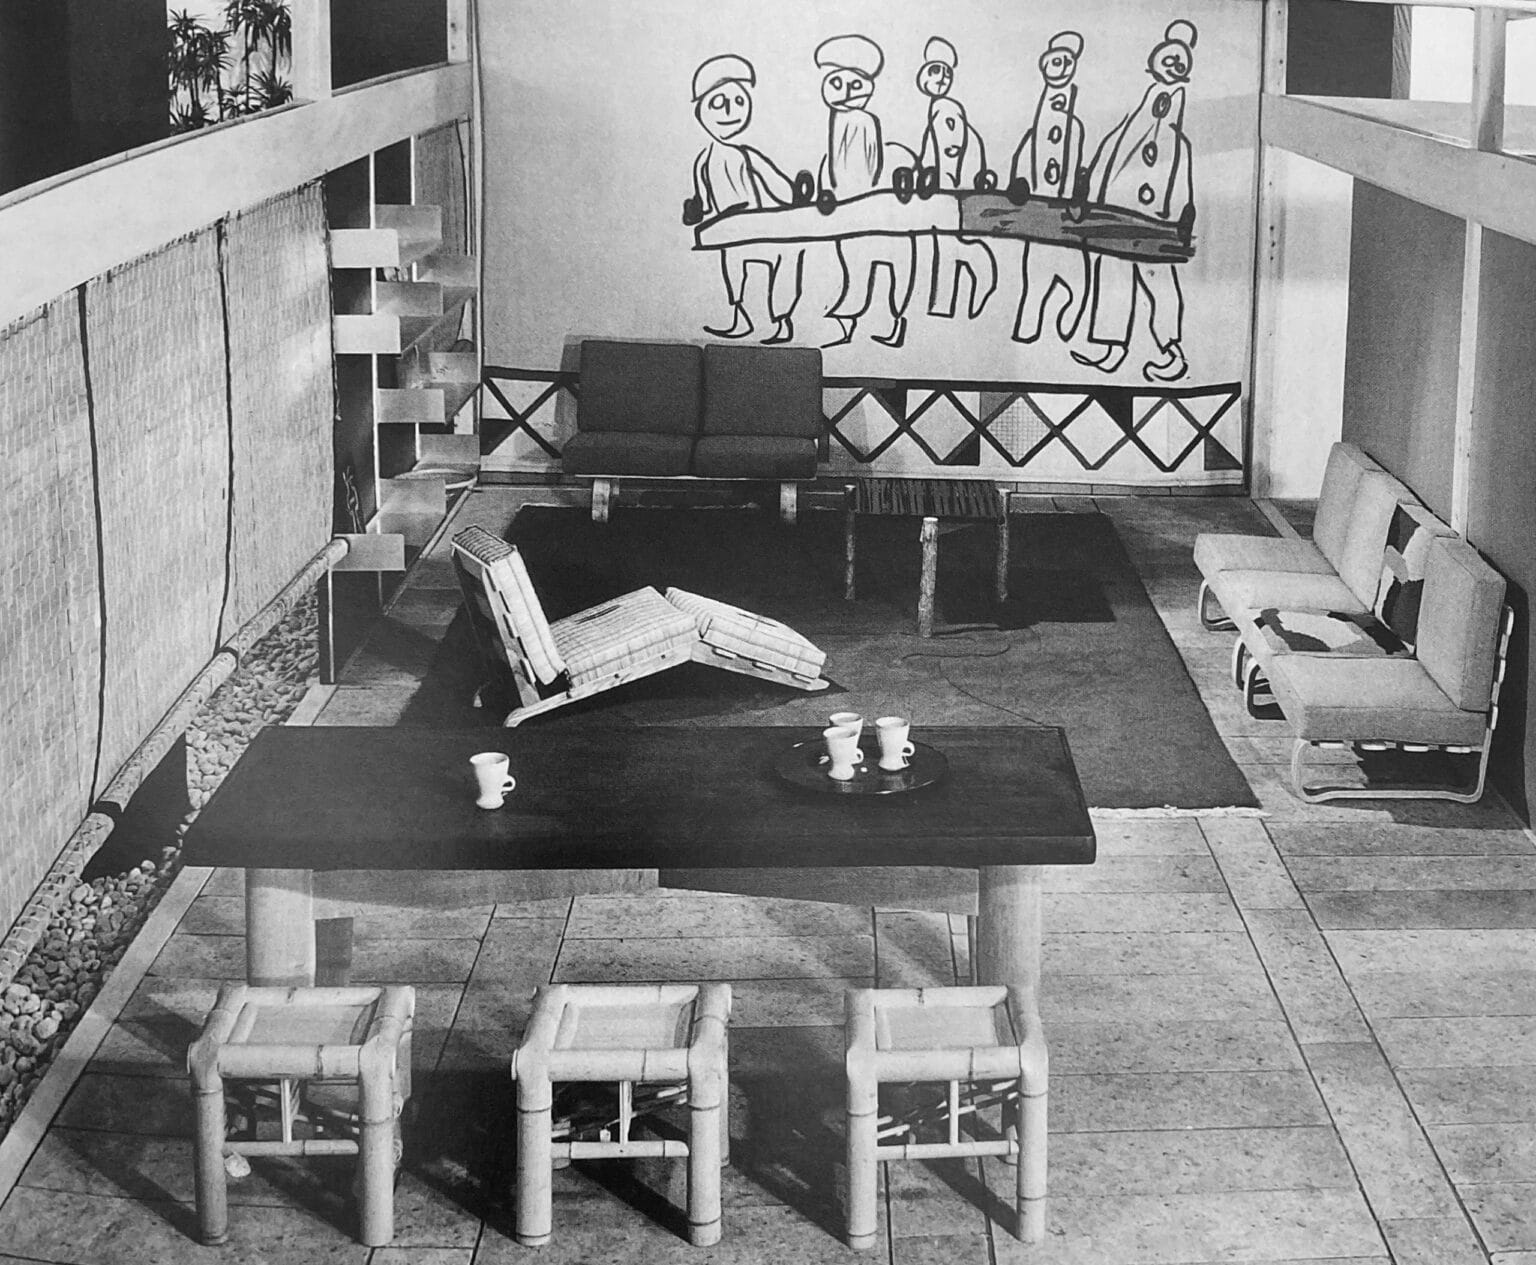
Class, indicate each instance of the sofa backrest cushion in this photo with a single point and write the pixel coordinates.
(762, 391)
(634, 386)
(1370, 516)
(1401, 588)
(1341, 479)
(1459, 618)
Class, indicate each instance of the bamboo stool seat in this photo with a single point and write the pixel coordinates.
(354, 1043)
(970, 1037)
(643, 1034)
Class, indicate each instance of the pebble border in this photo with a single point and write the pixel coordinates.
(90, 931)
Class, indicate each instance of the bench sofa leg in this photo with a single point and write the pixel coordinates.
(602, 495)
(1319, 794)
(1212, 618)
(788, 502)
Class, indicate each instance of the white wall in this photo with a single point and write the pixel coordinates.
(1440, 62)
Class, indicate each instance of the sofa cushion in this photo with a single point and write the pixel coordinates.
(1224, 551)
(1360, 700)
(1359, 562)
(1244, 592)
(1459, 618)
(625, 452)
(1348, 634)
(1341, 480)
(1402, 569)
(754, 457)
(762, 391)
(629, 386)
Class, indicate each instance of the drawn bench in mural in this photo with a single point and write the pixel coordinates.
(678, 411)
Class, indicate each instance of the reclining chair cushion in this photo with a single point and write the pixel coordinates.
(749, 635)
(620, 633)
(1328, 699)
(506, 573)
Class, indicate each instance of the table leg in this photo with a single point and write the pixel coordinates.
(602, 495)
(280, 928)
(850, 492)
(926, 584)
(1002, 552)
(788, 502)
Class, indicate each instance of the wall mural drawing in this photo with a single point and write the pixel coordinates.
(1107, 235)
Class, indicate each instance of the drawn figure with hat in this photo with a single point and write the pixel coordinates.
(728, 176)
(1046, 164)
(952, 156)
(853, 165)
(1144, 165)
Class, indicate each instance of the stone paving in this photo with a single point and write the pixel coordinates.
(1308, 1036)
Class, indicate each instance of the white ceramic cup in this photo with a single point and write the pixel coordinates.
(842, 751)
(847, 720)
(895, 750)
(492, 777)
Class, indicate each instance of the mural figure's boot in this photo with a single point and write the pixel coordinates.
(897, 336)
(741, 325)
(1108, 362)
(1170, 368)
(783, 332)
(844, 323)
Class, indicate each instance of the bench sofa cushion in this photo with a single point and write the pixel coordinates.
(1325, 698)
(1242, 593)
(762, 391)
(1341, 480)
(1343, 633)
(627, 452)
(1401, 588)
(1365, 539)
(656, 388)
(1224, 551)
(754, 457)
(1459, 621)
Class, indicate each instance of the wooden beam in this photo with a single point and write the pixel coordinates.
(1465, 423)
(1487, 130)
(1494, 189)
(61, 232)
(1266, 261)
(312, 51)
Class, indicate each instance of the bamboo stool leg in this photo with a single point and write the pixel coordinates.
(212, 1194)
(535, 1190)
(930, 540)
(1029, 1198)
(863, 1161)
(376, 1159)
(706, 1116)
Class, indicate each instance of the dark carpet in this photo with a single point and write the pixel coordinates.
(1077, 645)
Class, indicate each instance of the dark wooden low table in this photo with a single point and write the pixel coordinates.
(701, 805)
(932, 500)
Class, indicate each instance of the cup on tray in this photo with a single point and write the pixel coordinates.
(843, 752)
(492, 777)
(847, 720)
(895, 751)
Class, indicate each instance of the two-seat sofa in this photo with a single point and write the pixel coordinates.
(1386, 629)
(678, 411)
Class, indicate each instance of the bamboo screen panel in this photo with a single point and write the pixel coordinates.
(282, 396)
(439, 159)
(155, 347)
(49, 668)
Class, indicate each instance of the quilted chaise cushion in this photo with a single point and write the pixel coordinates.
(609, 638)
(655, 388)
(1360, 700)
(1459, 621)
(627, 452)
(762, 391)
(750, 635)
(754, 457)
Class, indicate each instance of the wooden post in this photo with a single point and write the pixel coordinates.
(788, 502)
(311, 57)
(930, 539)
(1008, 930)
(850, 499)
(280, 928)
(1002, 549)
(602, 492)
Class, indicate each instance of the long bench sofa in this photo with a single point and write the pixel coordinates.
(1386, 629)
(679, 411)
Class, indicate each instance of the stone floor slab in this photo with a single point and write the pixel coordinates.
(1147, 1101)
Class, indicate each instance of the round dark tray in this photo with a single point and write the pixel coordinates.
(804, 766)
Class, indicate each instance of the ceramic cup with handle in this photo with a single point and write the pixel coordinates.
(492, 777)
(895, 750)
(847, 720)
(842, 751)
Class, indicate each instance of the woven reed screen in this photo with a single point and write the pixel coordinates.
(440, 180)
(155, 341)
(49, 664)
(282, 396)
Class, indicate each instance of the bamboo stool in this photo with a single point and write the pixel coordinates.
(339, 1036)
(655, 1034)
(966, 1036)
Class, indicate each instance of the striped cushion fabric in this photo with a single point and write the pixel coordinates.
(1401, 587)
(620, 633)
(1348, 634)
(751, 636)
(505, 570)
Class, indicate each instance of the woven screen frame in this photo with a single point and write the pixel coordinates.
(155, 333)
(282, 395)
(440, 180)
(49, 668)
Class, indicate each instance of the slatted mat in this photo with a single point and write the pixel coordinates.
(928, 498)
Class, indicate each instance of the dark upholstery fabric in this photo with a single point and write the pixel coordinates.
(754, 457)
(620, 452)
(654, 388)
(762, 391)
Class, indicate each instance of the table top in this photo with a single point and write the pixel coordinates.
(928, 498)
(335, 798)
